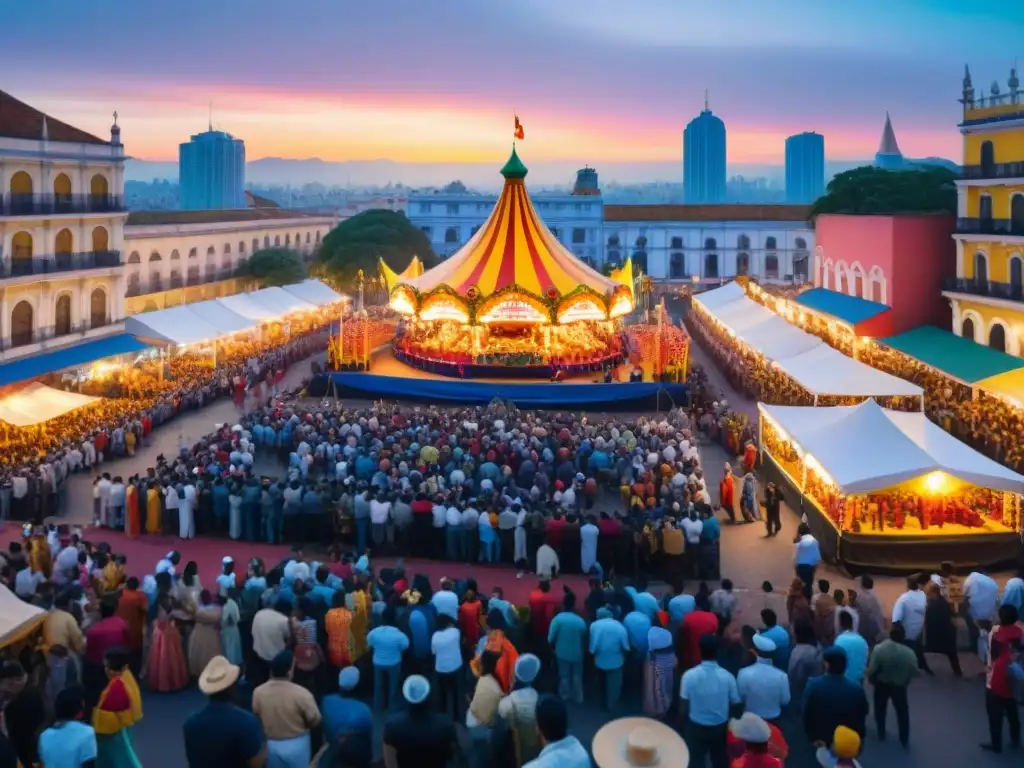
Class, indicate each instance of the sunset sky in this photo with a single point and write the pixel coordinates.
(439, 80)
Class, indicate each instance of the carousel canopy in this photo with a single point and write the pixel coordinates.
(515, 258)
(812, 363)
(37, 403)
(866, 448)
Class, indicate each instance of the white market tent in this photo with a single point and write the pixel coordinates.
(314, 292)
(17, 618)
(866, 448)
(222, 318)
(812, 363)
(242, 304)
(280, 301)
(177, 325)
(37, 403)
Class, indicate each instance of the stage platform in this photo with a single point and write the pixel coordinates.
(392, 379)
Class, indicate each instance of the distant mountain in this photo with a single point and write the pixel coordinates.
(939, 161)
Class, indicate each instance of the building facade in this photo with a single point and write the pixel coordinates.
(211, 171)
(62, 219)
(805, 168)
(987, 294)
(171, 250)
(704, 159)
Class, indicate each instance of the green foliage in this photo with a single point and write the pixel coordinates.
(274, 266)
(358, 242)
(871, 190)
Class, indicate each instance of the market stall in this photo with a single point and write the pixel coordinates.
(38, 403)
(884, 488)
(314, 292)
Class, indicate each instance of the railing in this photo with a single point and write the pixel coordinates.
(156, 285)
(979, 226)
(42, 205)
(50, 332)
(21, 266)
(991, 288)
(176, 282)
(994, 171)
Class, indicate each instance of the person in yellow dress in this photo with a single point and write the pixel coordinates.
(153, 510)
(132, 527)
(362, 608)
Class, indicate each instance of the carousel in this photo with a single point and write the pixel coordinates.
(512, 302)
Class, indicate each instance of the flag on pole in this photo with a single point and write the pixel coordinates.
(519, 130)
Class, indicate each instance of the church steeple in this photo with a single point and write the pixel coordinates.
(888, 145)
(968, 88)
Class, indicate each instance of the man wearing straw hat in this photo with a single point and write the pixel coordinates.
(222, 734)
(630, 742)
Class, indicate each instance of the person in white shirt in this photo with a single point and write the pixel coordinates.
(171, 503)
(909, 612)
(763, 688)
(103, 494)
(439, 516)
(169, 564)
(547, 562)
(27, 582)
(453, 532)
(380, 513)
(980, 599)
(446, 645)
(186, 512)
(226, 581)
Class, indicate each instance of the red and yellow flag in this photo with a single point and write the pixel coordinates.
(519, 130)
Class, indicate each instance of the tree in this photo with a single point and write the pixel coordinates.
(358, 242)
(871, 190)
(274, 266)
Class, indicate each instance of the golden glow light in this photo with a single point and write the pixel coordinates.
(813, 464)
(585, 309)
(935, 482)
(401, 304)
(622, 306)
(444, 310)
(513, 311)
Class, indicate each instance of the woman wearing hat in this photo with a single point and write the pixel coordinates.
(517, 713)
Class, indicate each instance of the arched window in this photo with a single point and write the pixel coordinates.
(21, 185)
(742, 263)
(155, 256)
(318, 237)
(743, 243)
(64, 242)
(298, 238)
(227, 249)
(640, 254)
(100, 240)
(277, 241)
(985, 212)
(770, 244)
(22, 324)
(1016, 279)
(800, 271)
(988, 158)
(21, 253)
(677, 243)
(175, 256)
(677, 266)
(771, 264)
(97, 308)
(287, 240)
(309, 238)
(842, 280)
(133, 285)
(1017, 215)
(997, 337)
(858, 284)
(134, 258)
(981, 270)
(211, 253)
(967, 329)
(710, 265)
(98, 186)
(451, 235)
(710, 244)
(876, 290)
(800, 243)
(613, 254)
(241, 247)
(62, 315)
(62, 193)
(266, 241)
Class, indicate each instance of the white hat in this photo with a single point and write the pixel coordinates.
(219, 675)
(226, 560)
(638, 741)
(416, 689)
(751, 728)
(764, 644)
(348, 678)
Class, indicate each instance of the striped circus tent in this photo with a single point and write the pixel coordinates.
(513, 268)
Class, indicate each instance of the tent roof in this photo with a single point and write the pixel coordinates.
(221, 318)
(242, 304)
(315, 292)
(26, 368)
(724, 294)
(16, 616)
(177, 325)
(280, 302)
(954, 355)
(848, 309)
(37, 403)
(867, 448)
(827, 371)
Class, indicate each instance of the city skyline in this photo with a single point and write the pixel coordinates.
(368, 82)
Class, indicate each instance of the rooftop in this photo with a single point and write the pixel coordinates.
(20, 121)
(721, 212)
(954, 355)
(848, 309)
(258, 201)
(157, 218)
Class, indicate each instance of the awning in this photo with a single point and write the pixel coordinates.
(177, 325)
(847, 309)
(280, 302)
(68, 357)
(221, 318)
(242, 304)
(315, 292)
(953, 355)
(716, 297)
(37, 403)
(17, 618)
(866, 448)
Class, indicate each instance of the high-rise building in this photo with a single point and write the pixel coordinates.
(889, 156)
(211, 171)
(805, 167)
(704, 158)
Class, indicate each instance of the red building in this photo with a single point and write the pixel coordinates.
(897, 261)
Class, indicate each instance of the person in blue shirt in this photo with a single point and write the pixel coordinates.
(347, 724)
(567, 635)
(221, 505)
(321, 592)
(806, 557)
(609, 644)
(779, 636)
(387, 643)
(637, 625)
(856, 648)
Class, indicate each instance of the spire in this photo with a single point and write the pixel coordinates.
(46, 130)
(1014, 82)
(514, 168)
(706, 107)
(211, 117)
(968, 89)
(888, 146)
(115, 132)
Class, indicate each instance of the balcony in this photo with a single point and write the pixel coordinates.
(993, 171)
(976, 226)
(48, 333)
(158, 284)
(56, 205)
(989, 288)
(24, 266)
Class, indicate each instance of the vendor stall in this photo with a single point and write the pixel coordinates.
(38, 403)
(889, 489)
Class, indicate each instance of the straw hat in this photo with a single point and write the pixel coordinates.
(219, 675)
(639, 742)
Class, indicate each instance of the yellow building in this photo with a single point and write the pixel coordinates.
(987, 295)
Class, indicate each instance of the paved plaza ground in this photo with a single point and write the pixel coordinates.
(947, 715)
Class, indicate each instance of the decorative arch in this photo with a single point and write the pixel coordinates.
(451, 235)
(972, 325)
(241, 247)
(309, 238)
(155, 256)
(255, 244)
(64, 242)
(842, 278)
(134, 281)
(858, 279)
(21, 184)
(799, 244)
(62, 187)
(827, 274)
(62, 314)
(288, 239)
(743, 243)
(99, 186)
(211, 253)
(1001, 336)
(771, 243)
(277, 240)
(677, 265)
(22, 247)
(981, 268)
(100, 240)
(227, 249)
(877, 286)
(175, 256)
(22, 324)
(988, 157)
(134, 258)
(98, 307)
(997, 337)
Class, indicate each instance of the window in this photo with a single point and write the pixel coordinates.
(799, 267)
(876, 292)
(318, 237)
(967, 329)
(64, 242)
(985, 211)
(1017, 214)
(98, 308)
(677, 265)
(771, 265)
(241, 248)
(1016, 283)
(277, 241)
(134, 258)
(211, 253)
(858, 284)
(100, 240)
(452, 209)
(155, 256)
(743, 243)
(424, 207)
(451, 235)
(287, 240)
(801, 244)
(981, 269)
(474, 230)
(677, 243)
(255, 244)
(997, 337)
(640, 254)
(21, 324)
(770, 244)
(426, 231)
(175, 256)
(266, 241)
(309, 238)
(710, 244)
(988, 158)
(193, 253)
(62, 315)
(613, 254)
(579, 236)
(227, 248)
(710, 265)
(133, 284)
(742, 263)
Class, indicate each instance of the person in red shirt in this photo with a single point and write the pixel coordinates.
(553, 531)
(422, 524)
(111, 631)
(694, 626)
(999, 699)
(762, 745)
(471, 617)
(542, 609)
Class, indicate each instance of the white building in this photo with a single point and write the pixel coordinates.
(172, 249)
(61, 230)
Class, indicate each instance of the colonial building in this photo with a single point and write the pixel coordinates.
(174, 257)
(669, 242)
(987, 295)
(61, 231)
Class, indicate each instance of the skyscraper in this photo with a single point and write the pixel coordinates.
(889, 156)
(211, 172)
(704, 158)
(805, 167)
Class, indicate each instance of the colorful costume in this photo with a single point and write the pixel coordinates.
(119, 708)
